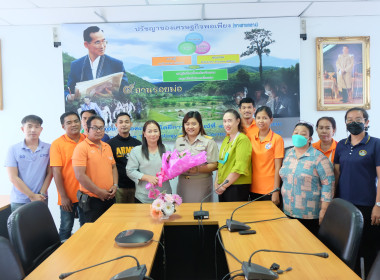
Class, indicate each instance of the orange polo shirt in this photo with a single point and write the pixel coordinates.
(330, 153)
(263, 155)
(252, 129)
(98, 163)
(61, 151)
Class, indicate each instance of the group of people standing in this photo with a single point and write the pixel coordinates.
(250, 163)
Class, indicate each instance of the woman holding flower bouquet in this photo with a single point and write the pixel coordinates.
(144, 162)
(196, 183)
(234, 175)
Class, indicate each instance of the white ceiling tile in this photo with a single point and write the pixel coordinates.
(339, 9)
(85, 3)
(49, 16)
(182, 2)
(254, 10)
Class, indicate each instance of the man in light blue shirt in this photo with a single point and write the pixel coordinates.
(27, 165)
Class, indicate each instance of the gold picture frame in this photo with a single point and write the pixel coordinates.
(343, 73)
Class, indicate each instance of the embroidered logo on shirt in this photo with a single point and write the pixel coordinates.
(268, 146)
(362, 153)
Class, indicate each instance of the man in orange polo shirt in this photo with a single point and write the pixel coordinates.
(61, 151)
(95, 169)
(247, 110)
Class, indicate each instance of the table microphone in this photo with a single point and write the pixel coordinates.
(131, 273)
(205, 214)
(254, 271)
(238, 226)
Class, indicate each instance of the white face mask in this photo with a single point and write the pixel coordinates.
(268, 93)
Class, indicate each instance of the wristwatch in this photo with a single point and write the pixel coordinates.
(378, 204)
(115, 185)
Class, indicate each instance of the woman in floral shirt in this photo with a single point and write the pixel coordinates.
(308, 180)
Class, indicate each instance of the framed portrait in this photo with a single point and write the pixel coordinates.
(343, 73)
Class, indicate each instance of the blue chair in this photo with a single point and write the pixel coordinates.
(341, 230)
(33, 234)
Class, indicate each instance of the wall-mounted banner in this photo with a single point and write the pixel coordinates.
(162, 70)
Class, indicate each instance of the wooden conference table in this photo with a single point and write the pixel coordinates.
(4, 202)
(94, 243)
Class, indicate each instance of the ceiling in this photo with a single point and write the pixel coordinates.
(53, 12)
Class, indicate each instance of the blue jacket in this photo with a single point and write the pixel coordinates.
(81, 71)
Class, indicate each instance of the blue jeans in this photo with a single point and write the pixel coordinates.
(67, 221)
(15, 205)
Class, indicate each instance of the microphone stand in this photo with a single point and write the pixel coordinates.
(254, 271)
(205, 214)
(233, 225)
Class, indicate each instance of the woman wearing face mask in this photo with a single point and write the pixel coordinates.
(267, 155)
(357, 170)
(144, 162)
(308, 180)
(196, 183)
(326, 127)
(233, 179)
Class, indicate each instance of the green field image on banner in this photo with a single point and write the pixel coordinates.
(195, 75)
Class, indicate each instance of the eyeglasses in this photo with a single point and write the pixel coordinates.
(97, 128)
(358, 120)
(98, 44)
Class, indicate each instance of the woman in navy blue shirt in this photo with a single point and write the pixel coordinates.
(357, 169)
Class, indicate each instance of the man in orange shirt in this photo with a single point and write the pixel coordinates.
(95, 169)
(61, 151)
(247, 111)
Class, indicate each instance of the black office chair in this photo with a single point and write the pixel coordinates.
(374, 273)
(10, 265)
(341, 230)
(33, 234)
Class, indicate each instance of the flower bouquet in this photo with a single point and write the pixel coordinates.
(164, 205)
(174, 164)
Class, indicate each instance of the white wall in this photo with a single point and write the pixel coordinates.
(32, 81)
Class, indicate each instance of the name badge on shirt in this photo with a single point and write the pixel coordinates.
(362, 153)
(268, 146)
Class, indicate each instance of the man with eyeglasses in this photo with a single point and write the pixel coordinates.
(94, 65)
(85, 115)
(61, 151)
(95, 169)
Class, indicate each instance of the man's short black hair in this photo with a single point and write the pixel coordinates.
(123, 114)
(32, 118)
(64, 115)
(247, 100)
(90, 119)
(88, 31)
(92, 111)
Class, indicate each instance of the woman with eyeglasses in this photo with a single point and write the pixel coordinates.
(357, 171)
(233, 179)
(308, 180)
(326, 127)
(267, 155)
(196, 183)
(145, 162)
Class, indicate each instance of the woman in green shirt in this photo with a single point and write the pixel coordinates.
(233, 179)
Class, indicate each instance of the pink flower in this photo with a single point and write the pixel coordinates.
(177, 199)
(153, 193)
(169, 198)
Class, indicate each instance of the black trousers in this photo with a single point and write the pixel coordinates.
(97, 208)
(370, 243)
(235, 193)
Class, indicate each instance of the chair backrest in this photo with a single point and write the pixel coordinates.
(33, 234)
(341, 230)
(374, 273)
(10, 265)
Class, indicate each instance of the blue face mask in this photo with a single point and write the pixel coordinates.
(299, 140)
